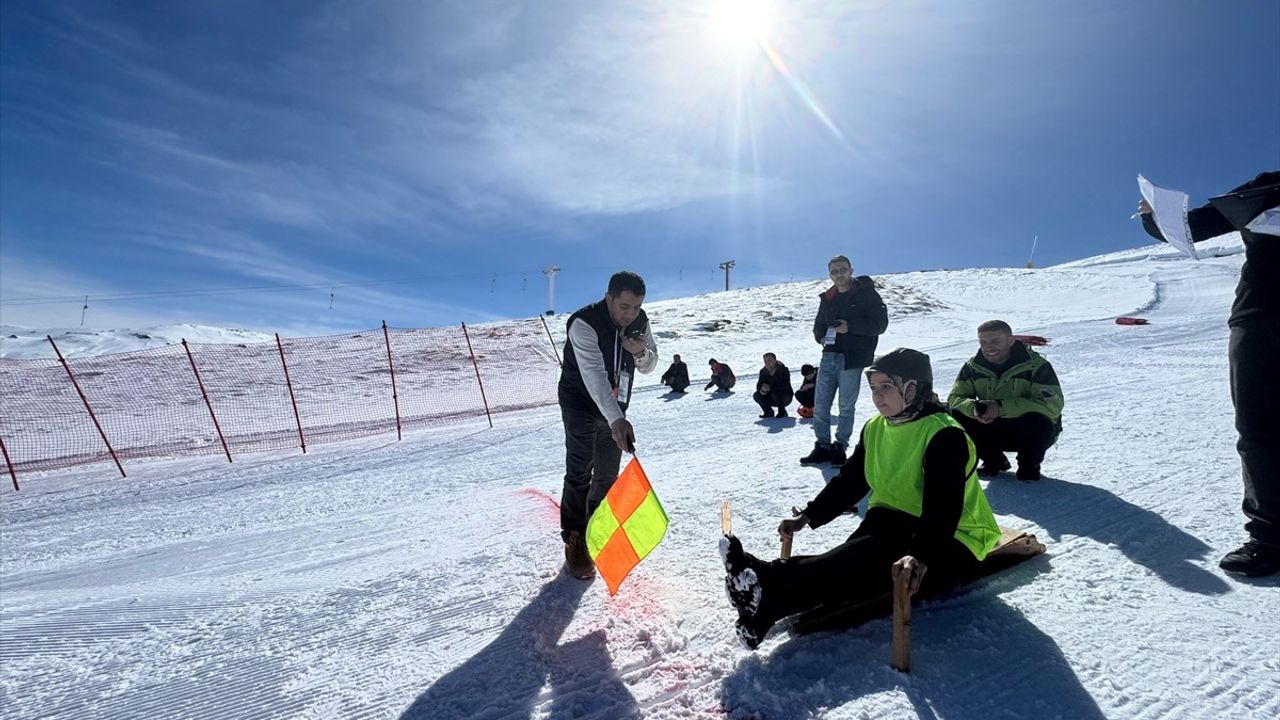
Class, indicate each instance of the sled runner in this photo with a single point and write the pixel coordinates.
(1014, 548)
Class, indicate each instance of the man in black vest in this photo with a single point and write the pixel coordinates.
(608, 342)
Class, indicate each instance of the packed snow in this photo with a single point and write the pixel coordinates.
(422, 578)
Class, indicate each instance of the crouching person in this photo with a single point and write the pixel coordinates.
(773, 389)
(1008, 398)
(927, 511)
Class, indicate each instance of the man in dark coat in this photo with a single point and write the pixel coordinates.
(608, 341)
(1252, 350)
(851, 317)
(773, 389)
(677, 376)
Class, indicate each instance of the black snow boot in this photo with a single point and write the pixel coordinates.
(1253, 559)
(821, 453)
(837, 457)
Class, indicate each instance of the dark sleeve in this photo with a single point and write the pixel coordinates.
(945, 471)
(785, 377)
(671, 371)
(764, 378)
(822, 321)
(874, 316)
(1204, 222)
(843, 491)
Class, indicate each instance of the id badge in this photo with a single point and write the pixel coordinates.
(831, 336)
(623, 391)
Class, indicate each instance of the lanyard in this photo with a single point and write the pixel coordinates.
(617, 356)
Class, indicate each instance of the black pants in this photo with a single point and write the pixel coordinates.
(775, 398)
(805, 397)
(591, 460)
(1254, 349)
(1029, 435)
(858, 569)
(679, 385)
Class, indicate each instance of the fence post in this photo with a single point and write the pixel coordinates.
(301, 439)
(552, 340)
(8, 463)
(205, 395)
(476, 365)
(85, 400)
(394, 397)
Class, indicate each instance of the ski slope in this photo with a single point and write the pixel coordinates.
(421, 579)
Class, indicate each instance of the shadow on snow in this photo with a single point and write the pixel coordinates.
(973, 656)
(1146, 538)
(506, 678)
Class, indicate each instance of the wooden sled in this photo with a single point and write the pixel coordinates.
(1015, 547)
(1037, 340)
(1131, 321)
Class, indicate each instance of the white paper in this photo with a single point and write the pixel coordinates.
(1169, 210)
(1268, 222)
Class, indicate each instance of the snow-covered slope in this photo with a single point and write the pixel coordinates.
(19, 342)
(420, 579)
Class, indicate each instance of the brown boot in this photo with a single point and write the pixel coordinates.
(576, 558)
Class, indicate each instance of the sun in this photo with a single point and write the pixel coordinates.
(740, 24)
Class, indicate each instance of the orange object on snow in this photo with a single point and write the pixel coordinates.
(804, 411)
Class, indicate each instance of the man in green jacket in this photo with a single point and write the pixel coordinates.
(1008, 399)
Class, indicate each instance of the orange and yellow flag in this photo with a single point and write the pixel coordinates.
(627, 526)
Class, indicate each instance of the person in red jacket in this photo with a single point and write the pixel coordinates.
(722, 377)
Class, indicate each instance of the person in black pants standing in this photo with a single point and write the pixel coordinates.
(1253, 349)
(608, 342)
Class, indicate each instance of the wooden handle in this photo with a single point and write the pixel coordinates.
(786, 547)
(726, 518)
(901, 660)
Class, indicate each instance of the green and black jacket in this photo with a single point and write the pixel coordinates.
(1028, 384)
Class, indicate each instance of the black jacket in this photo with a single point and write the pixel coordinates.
(677, 375)
(778, 382)
(1258, 293)
(866, 314)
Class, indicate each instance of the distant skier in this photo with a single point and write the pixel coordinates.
(677, 376)
(1254, 210)
(928, 514)
(851, 317)
(773, 389)
(1008, 398)
(722, 377)
(608, 340)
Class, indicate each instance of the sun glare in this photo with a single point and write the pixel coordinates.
(739, 24)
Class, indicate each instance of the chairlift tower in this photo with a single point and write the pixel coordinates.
(726, 266)
(550, 271)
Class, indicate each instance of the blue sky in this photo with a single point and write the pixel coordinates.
(423, 161)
